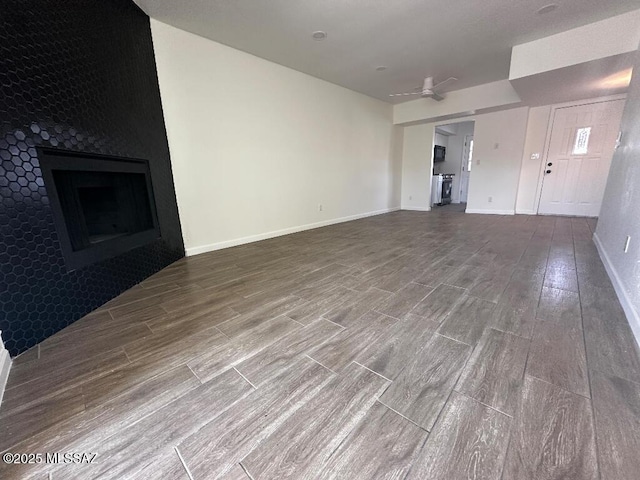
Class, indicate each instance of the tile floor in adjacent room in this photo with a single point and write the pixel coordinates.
(408, 345)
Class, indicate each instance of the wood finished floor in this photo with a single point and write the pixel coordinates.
(408, 345)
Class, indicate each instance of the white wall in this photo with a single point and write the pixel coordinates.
(417, 170)
(441, 140)
(395, 165)
(497, 158)
(529, 184)
(256, 147)
(620, 215)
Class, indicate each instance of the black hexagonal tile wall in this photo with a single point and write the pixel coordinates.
(77, 75)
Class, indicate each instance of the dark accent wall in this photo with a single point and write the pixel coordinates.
(77, 75)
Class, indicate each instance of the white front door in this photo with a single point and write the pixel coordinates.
(579, 156)
(467, 160)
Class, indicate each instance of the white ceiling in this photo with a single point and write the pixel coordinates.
(467, 39)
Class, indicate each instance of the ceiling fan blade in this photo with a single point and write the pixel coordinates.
(450, 79)
(436, 97)
(404, 94)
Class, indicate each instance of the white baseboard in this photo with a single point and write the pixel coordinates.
(5, 366)
(416, 209)
(526, 212)
(633, 317)
(490, 212)
(278, 233)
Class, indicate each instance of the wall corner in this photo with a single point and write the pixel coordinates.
(5, 366)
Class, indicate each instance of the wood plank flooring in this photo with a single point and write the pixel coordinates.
(552, 435)
(411, 345)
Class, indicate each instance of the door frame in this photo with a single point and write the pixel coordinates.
(462, 165)
(547, 140)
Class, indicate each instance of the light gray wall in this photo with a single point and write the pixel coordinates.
(620, 214)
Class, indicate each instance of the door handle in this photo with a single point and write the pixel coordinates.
(548, 171)
(549, 164)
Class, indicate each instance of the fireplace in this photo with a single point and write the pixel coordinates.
(103, 206)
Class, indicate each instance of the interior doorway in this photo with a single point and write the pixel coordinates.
(579, 153)
(453, 151)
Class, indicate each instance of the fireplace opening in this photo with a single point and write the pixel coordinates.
(102, 214)
(103, 206)
(99, 207)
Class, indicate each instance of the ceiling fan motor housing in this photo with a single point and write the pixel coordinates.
(427, 86)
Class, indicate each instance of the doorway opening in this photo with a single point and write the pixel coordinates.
(452, 165)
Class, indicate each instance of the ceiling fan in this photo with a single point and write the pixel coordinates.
(428, 89)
